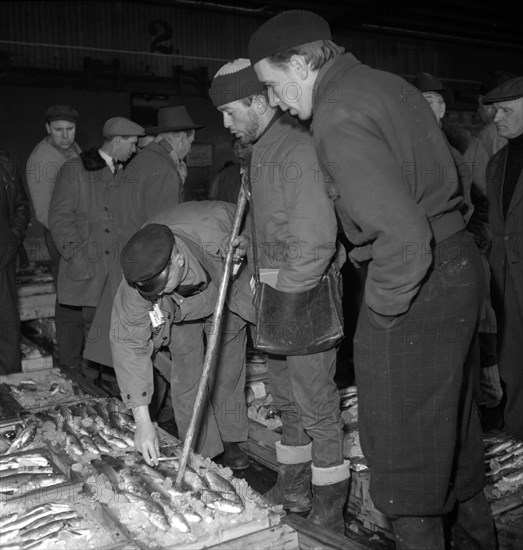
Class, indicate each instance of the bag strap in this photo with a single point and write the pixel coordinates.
(246, 181)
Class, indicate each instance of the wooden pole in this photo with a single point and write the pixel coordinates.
(212, 343)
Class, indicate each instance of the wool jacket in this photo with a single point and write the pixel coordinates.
(295, 223)
(507, 230)
(41, 171)
(202, 227)
(152, 183)
(397, 184)
(83, 220)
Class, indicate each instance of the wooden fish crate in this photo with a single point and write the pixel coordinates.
(34, 357)
(61, 491)
(360, 505)
(36, 300)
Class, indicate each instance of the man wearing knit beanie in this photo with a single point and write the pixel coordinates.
(398, 200)
(295, 232)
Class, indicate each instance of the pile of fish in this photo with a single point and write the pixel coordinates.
(20, 474)
(153, 491)
(505, 462)
(92, 427)
(38, 526)
(54, 388)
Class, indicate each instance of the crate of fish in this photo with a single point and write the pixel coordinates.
(59, 524)
(41, 389)
(504, 466)
(210, 507)
(34, 473)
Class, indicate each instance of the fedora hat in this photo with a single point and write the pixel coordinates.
(173, 119)
(426, 82)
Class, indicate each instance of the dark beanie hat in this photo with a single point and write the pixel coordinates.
(146, 255)
(509, 90)
(286, 30)
(235, 80)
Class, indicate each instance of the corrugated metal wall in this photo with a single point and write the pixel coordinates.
(150, 38)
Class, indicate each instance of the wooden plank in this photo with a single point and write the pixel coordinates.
(280, 537)
(260, 453)
(312, 536)
(162, 362)
(30, 289)
(36, 306)
(506, 503)
(262, 435)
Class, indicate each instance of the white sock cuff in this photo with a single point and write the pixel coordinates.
(332, 475)
(293, 454)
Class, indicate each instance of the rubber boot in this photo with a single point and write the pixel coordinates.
(419, 533)
(293, 486)
(330, 487)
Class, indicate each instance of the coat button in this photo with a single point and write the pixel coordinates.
(107, 230)
(128, 396)
(107, 252)
(164, 338)
(144, 393)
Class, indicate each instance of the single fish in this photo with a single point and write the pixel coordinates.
(66, 413)
(514, 477)
(216, 501)
(5, 474)
(132, 484)
(496, 449)
(151, 509)
(178, 521)
(101, 410)
(115, 442)
(67, 515)
(73, 445)
(101, 444)
(103, 468)
(191, 515)
(29, 482)
(191, 479)
(38, 512)
(89, 445)
(56, 388)
(222, 486)
(23, 438)
(43, 532)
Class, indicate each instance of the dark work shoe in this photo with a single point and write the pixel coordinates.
(233, 457)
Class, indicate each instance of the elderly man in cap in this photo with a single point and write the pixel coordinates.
(154, 179)
(83, 218)
(172, 269)
(488, 135)
(292, 212)
(505, 189)
(42, 167)
(377, 138)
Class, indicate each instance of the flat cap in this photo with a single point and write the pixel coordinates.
(120, 126)
(426, 82)
(234, 81)
(146, 257)
(509, 90)
(287, 30)
(61, 112)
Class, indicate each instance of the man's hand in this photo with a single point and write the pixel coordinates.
(240, 245)
(145, 437)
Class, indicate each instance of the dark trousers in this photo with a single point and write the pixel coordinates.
(303, 388)
(510, 335)
(68, 319)
(224, 414)
(419, 427)
(10, 357)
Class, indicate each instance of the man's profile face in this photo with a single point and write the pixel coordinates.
(241, 120)
(509, 118)
(126, 147)
(285, 88)
(61, 133)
